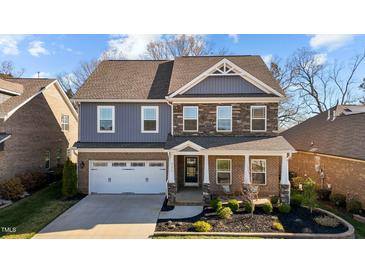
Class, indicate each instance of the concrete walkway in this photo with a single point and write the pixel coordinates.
(181, 212)
(107, 217)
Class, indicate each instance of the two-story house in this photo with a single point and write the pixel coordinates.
(206, 125)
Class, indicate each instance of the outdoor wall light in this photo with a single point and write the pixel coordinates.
(82, 164)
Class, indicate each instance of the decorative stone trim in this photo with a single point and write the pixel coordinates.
(285, 193)
(171, 190)
(206, 194)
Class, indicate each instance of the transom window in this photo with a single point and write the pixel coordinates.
(65, 124)
(149, 119)
(106, 119)
(258, 118)
(224, 171)
(224, 118)
(258, 171)
(190, 117)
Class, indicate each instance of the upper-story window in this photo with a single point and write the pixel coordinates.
(190, 117)
(106, 119)
(258, 118)
(224, 118)
(149, 119)
(65, 123)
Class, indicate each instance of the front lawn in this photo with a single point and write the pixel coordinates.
(31, 214)
(359, 227)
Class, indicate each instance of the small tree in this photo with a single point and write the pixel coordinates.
(69, 180)
(309, 194)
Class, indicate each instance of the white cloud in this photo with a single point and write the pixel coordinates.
(41, 74)
(36, 48)
(330, 41)
(129, 46)
(235, 37)
(9, 44)
(267, 59)
(320, 58)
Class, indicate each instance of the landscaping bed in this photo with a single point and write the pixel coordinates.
(298, 220)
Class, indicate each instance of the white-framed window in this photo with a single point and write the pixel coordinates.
(65, 122)
(100, 164)
(47, 159)
(119, 164)
(149, 119)
(224, 171)
(106, 119)
(258, 118)
(138, 164)
(190, 118)
(258, 171)
(224, 118)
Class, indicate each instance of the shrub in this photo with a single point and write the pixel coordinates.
(327, 221)
(225, 213)
(216, 204)
(284, 208)
(267, 207)
(277, 226)
(33, 181)
(249, 206)
(69, 180)
(296, 200)
(324, 194)
(233, 205)
(354, 206)
(339, 200)
(274, 199)
(202, 226)
(11, 189)
(309, 194)
(296, 181)
(292, 174)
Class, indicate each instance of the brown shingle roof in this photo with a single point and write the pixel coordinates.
(30, 85)
(188, 68)
(344, 136)
(148, 79)
(124, 79)
(10, 86)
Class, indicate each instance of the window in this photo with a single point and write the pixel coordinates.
(149, 119)
(190, 117)
(224, 171)
(139, 164)
(119, 164)
(258, 171)
(47, 159)
(106, 123)
(156, 164)
(65, 122)
(100, 164)
(258, 118)
(224, 118)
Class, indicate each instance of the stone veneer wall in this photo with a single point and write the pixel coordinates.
(345, 175)
(240, 119)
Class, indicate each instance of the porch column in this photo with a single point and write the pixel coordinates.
(171, 184)
(206, 190)
(246, 172)
(284, 181)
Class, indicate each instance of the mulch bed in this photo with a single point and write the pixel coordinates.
(299, 220)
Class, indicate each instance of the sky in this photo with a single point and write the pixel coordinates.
(54, 54)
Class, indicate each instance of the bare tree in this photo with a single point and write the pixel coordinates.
(66, 81)
(362, 86)
(7, 70)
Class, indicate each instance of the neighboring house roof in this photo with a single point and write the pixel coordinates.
(149, 79)
(10, 87)
(277, 143)
(31, 86)
(4, 137)
(188, 68)
(340, 133)
(126, 79)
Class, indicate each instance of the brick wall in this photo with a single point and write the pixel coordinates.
(345, 176)
(83, 173)
(240, 119)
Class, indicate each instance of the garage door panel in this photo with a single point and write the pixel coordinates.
(128, 176)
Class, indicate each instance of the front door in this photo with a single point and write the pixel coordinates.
(191, 170)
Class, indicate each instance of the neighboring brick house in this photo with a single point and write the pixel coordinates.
(331, 150)
(195, 125)
(38, 125)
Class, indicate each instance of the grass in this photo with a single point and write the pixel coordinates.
(31, 214)
(359, 227)
(202, 237)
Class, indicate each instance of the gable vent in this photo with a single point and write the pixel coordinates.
(225, 69)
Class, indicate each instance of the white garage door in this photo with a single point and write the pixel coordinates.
(127, 176)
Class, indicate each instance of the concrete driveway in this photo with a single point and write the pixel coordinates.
(107, 217)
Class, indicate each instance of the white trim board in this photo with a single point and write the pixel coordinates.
(9, 91)
(119, 100)
(6, 138)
